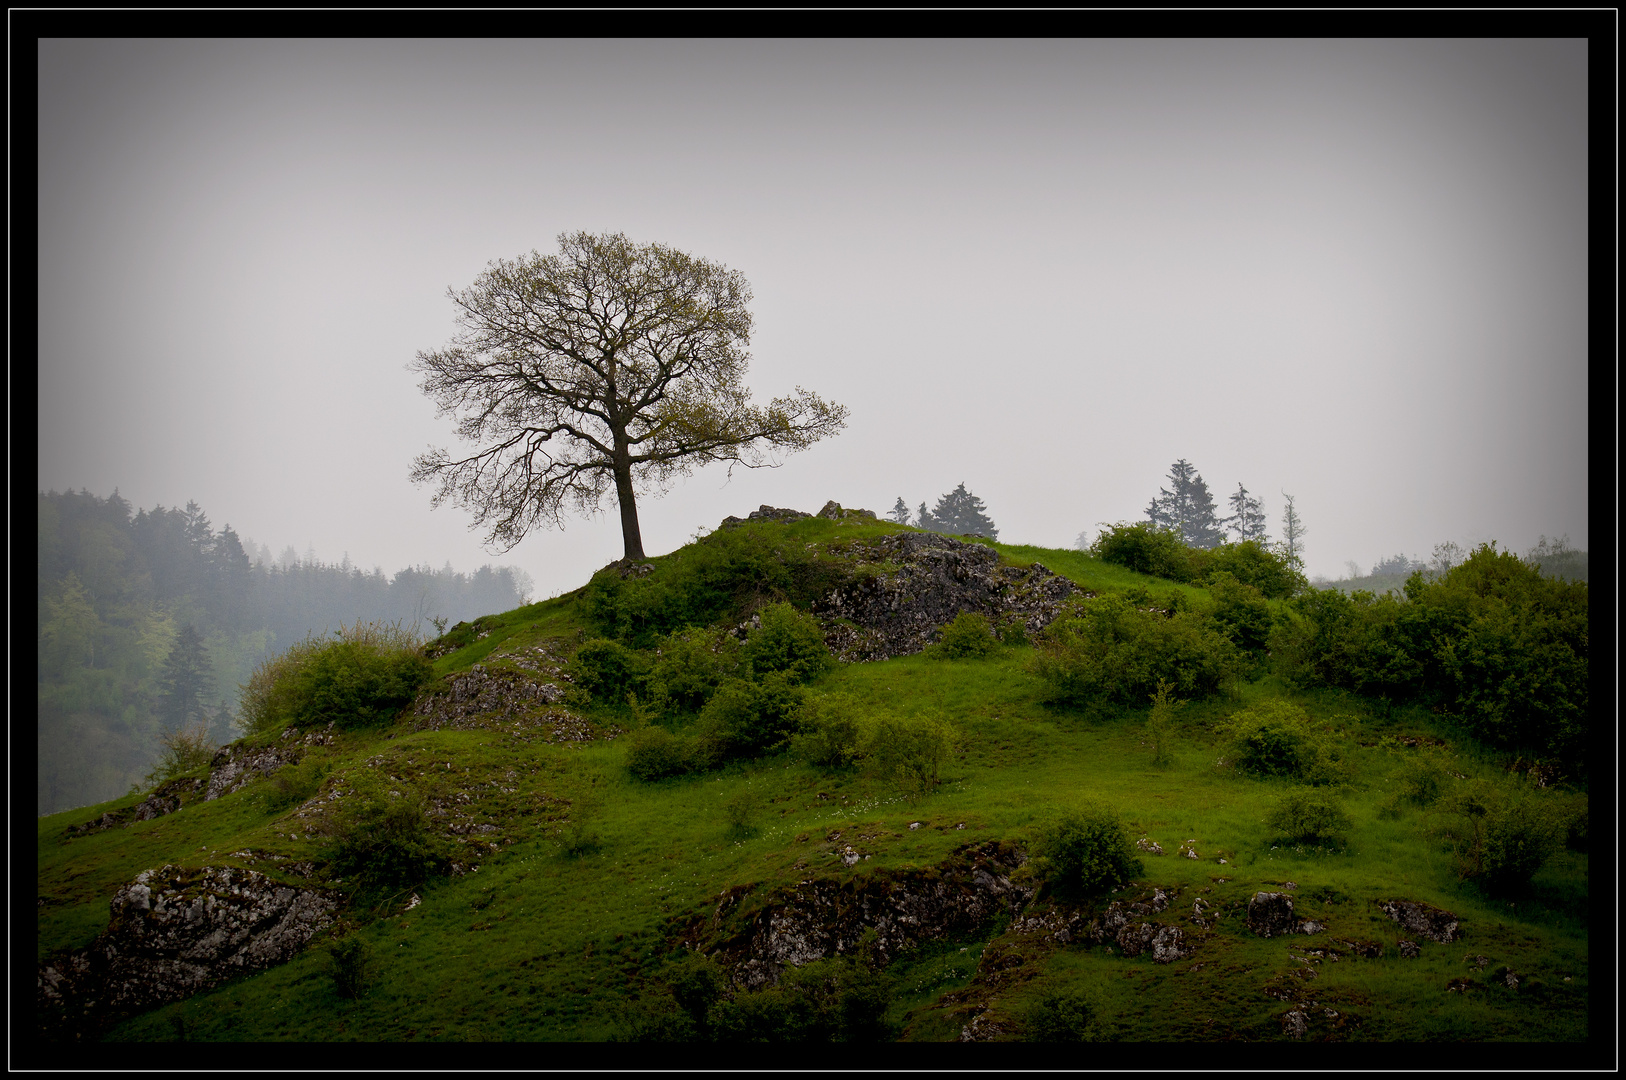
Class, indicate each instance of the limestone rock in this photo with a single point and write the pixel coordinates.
(765, 513)
(834, 512)
(824, 918)
(1435, 924)
(930, 579)
(1270, 914)
(1408, 949)
(523, 698)
(236, 766)
(175, 931)
(1295, 1024)
(1148, 845)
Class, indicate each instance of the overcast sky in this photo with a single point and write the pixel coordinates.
(1351, 271)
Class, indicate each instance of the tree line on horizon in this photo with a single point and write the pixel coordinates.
(150, 620)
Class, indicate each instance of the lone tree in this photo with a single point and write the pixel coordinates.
(1293, 530)
(609, 366)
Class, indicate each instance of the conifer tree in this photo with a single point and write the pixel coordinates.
(900, 512)
(924, 520)
(185, 684)
(1187, 506)
(1247, 518)
(961, 513)
(1293, 531)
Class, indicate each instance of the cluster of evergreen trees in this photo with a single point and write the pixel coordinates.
(958, 513)
(149, 621)
(1186, 507)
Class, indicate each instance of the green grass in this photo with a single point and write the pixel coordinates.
(547, 941)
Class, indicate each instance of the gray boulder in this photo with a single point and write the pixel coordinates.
(1424, 920)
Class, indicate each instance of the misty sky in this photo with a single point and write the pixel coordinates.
(1351, 271)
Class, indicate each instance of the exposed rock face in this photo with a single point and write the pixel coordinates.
(235, 766)
(824, 918)
(164, 799)
(1433, 923)
(483, 698)
(764, 513)
(176, 931)
(896, 613)
(1130, 928)
(1295, 1024)
(1270, 914)
(834, 512)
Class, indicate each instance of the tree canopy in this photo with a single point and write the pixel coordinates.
(608, 367)
(959, 513)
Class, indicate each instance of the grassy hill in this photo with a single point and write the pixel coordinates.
(573, 897)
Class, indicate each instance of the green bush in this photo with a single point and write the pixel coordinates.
(1160, 723)
(908, 751)
(1241, 613)
(384, 842)
(184, 749)
(969, 635)
(788, 642)
(291, 785)
(366, 675)
(722, 578)
(1277, 738)
(653, 753)
(831, 731)
(608, 670)
(1144, 549)
(351, 964)
(1504, 837)
(1063, 1016)
(1308, 817)
(740, 811)
(691, 665)
(1084, 853)
(1423, 779)
(840, 999)
(746, 719)
(1111, 651)
(1251, 563)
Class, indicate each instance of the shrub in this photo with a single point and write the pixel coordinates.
(351, 964)
(1160, 723)
(1509, 836)
(1241, 613)
(653, 753)
(608, 670)
(1063, 1016)
(691, 665)
(1423, 779)
(1309, 817)
(908, 751)
(1144, 549)
(385, 842)
(969, 635)
(740, 810)
(831, 731)
(1084, 853)
(366, 675)
(1277, 738)
(788, 642)
(751, 718)
(1251, 563)
(1113, 652)
(839, 999)
(291, 785)
(184, 749)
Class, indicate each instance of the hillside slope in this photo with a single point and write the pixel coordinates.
(575, 896)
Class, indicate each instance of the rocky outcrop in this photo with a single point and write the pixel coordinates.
(524, 697)
(764, 513)
(1424, 920)
(1270, 914)
(823, 918)
(923, 581)
(236, 766)
(173, 932)
(164, 799)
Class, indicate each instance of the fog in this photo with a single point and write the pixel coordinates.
(1354, 272)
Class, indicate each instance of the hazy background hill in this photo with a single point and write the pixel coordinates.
(118, 589)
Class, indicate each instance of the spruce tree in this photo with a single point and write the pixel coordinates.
(925, 521)
(1293, 530)
(184, 686)
(900, 512)
(1247, 518)
(1187, 506)
(962, 514)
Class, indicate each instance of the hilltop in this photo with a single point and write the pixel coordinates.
(798, 779)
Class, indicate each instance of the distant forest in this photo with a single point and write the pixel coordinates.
(138, 610)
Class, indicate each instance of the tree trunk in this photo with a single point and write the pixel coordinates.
(631, 538)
